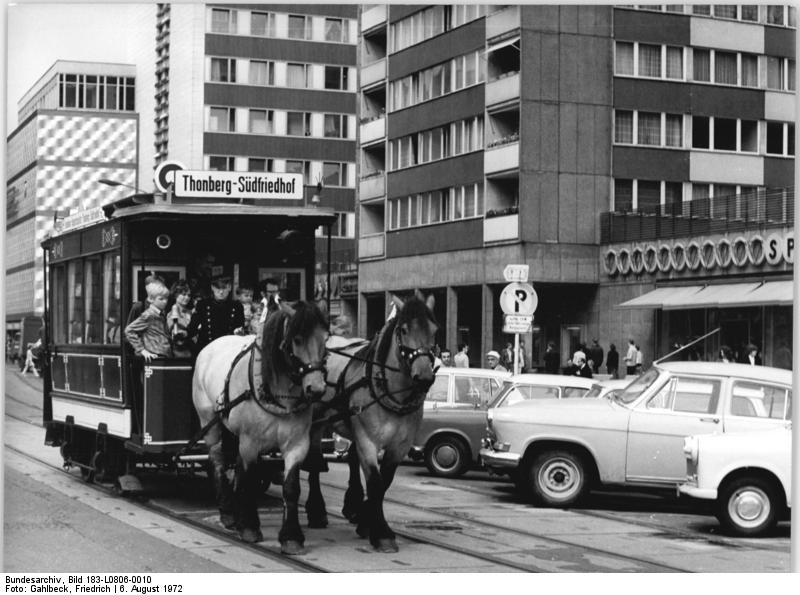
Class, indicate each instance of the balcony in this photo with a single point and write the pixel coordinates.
(722, 214)
(371, 246)
(372, 73)
(503, 22)
(372, 185)
(373, 130)
(502, 89)
(373, 17)
(501, 158)
(501, 228)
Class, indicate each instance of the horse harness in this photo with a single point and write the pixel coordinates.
(376, 383)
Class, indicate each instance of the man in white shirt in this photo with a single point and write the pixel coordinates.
(461, 359)
(630, 358)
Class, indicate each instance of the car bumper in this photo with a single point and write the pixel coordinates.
(500, 460)
(697, 492)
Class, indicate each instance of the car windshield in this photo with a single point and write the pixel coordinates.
(632, 392)
(513, 393)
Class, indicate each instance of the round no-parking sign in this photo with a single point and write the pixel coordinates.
(518, 298)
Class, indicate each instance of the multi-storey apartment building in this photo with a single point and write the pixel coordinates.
(77, 124)
(543, 135)
(250, 87)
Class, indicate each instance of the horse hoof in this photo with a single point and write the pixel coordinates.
(318, 522)
(292, 548)
(386, 546)
(228, 520)
(251, 535)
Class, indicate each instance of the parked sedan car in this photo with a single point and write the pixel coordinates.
(747, 475)
(454, 419)
(558, 449)
(605, 388)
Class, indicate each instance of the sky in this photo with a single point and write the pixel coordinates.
(40, 33)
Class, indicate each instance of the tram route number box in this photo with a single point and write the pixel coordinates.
(170, 419)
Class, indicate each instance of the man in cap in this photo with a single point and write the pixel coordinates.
(493, 360)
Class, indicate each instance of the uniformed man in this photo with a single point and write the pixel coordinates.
(216, 316)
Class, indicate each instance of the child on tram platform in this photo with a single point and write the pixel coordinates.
(148, 334)
(244, 293)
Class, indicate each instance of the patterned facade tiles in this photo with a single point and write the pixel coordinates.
(91, 139)
(77, 187)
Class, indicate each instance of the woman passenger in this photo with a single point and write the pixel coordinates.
(179, 317)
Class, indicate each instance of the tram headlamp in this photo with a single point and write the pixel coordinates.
(163, 241)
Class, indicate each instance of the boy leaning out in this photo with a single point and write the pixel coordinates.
(149, 334)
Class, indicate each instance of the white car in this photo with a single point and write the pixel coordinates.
(557, 449)
(748, 475)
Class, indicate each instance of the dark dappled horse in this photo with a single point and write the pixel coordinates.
(276, 415)
(377, 403)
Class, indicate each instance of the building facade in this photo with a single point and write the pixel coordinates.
(249, 87)
(78, 124)
(492, 135)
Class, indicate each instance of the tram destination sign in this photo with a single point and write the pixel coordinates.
(231, 184)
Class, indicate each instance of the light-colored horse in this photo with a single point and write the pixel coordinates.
(276, 415)
(377, 400)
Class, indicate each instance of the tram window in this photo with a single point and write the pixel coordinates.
(93, 332)
(59, 307)
(75, 301)
(111, 294)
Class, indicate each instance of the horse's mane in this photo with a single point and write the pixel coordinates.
(414, 309)
(307, 318)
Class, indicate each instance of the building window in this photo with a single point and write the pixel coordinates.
(725, 68)
(297, 76)
(775, 14)
(343, 227)
(262, 73)
(673, 198)
(223, 21)
(674, 63)
(222, 119)
(336, 77)
(649, 129)
(259, 164)
(623, 196)
(261, 121)
(298, 123)
(336, 30)
(673, 131)
(223, 70)
(701, 65)
(780, 138)
(750, 12)
(623, 59)
(648, 196)
(299, 27)
(219, 163)
(749, 136)
(649, 60)
(725, 11)
(262, 24)
(336, 125)
(334, 174)
(299, 167)
(700, 132)
(623, 127)
(724, 134)
(749, 70)
(702, 9)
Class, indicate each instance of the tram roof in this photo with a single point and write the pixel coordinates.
(200, 209)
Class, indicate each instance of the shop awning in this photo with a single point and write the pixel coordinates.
(661, 296)
(726, 295)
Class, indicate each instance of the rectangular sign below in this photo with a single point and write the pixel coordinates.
(515, 323)
(234, 184)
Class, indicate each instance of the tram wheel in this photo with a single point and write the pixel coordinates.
(99, 467)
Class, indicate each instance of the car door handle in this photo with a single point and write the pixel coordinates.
(710, 419)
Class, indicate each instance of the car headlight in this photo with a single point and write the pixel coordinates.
(691, 448)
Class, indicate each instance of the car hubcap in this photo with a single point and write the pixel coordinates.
(446, 456)
(559, 478)
(749, 506)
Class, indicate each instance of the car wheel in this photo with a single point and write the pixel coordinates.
(557, 478)
(447, 456)
(748, 506)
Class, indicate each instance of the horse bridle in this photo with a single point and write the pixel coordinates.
(298, 369)
(408, 354)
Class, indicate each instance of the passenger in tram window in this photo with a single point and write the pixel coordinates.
(725, 354)
(270, 297)
(751, 355)
(216, 316)
(244, 293)
(148, 334)
(179, 318)
(112, 330)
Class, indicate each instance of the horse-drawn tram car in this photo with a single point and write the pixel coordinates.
(111, 413)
